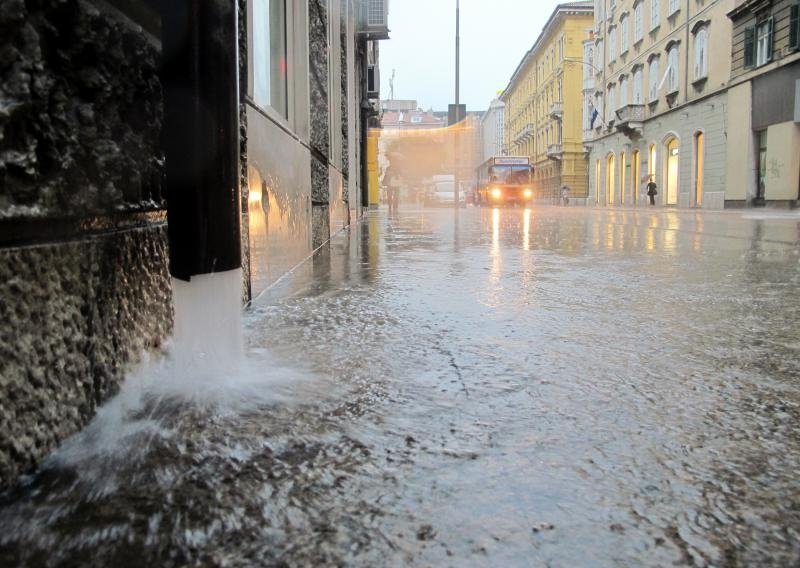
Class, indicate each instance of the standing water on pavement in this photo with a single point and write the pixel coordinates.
(545, 386)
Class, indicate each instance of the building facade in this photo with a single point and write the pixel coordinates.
(492, 131)
(656, 79)
(309, 71)
(763, 165)
(543, 114)
(86, 221)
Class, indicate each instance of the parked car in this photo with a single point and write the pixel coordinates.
(442, 192)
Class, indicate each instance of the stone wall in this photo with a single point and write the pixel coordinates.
(320, 139)
(83, 245)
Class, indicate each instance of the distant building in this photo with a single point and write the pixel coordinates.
(406, 105)
(492, 128)
(543, 101)
(412, 120)
(763, 164)
(655, 80)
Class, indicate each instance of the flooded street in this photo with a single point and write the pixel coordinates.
(546, 387)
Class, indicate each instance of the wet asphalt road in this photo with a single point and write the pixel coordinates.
(547, 387)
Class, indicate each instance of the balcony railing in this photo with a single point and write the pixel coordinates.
(524, 133)
(555, 151)
(557, 111)
(630, 119)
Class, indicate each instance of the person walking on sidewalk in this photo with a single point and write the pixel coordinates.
(652, 190)
(565, 195)
(392, 182)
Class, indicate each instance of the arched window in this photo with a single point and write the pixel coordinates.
(651, 162)
(701, 53)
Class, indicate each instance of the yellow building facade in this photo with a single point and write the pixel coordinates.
(544, 104)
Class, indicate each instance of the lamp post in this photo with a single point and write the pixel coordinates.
(456, 162)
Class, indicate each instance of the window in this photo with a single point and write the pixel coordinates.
(598, 9)
(761, 138)
(655, 14)
(623, 35)
(758, 43)
(612, 44)
(637, 86)
(764, 46)
(599, 107)
(701, 54)
(651, 162)
(610, 95)
(588, 68)
(674, 6)
(416, 119)
(623, 92)
(600, 53)
(638, 17)
(269, 55)
(794, 27)
(653, 80)
(672, 69)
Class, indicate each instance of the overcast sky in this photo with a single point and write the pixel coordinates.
(495, 35)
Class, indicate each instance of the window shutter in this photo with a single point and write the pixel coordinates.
(794, 27)
(750, 46)
(770, 28)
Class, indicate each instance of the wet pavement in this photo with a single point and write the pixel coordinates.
(547, 387)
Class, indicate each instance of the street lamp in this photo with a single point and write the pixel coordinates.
(456, 149)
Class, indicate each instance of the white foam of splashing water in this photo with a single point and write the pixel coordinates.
(204, 370)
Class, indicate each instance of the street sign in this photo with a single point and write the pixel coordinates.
(511, 161)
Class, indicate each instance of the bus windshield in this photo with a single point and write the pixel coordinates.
(510, 175)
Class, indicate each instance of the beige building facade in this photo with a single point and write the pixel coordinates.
(763, 165)
(543, 99)
(656, 75)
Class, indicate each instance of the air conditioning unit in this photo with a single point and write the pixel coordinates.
(373, 82)
(374, 19)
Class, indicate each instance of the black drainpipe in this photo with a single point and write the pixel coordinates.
(201, 135)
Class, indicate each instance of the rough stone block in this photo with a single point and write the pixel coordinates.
(80, 112)
(75, 317)
(320, 184)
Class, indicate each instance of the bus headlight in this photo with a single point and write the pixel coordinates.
(496, 193)
(527, 193)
